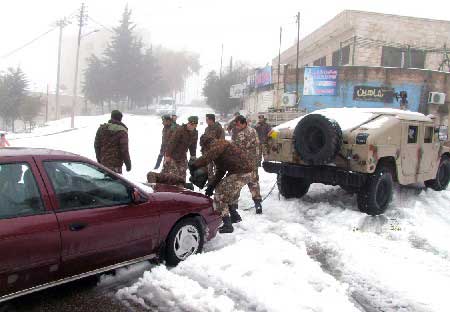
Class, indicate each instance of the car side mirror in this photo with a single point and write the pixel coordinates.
(137, 197)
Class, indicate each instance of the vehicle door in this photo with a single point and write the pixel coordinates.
(430, 149)
(410, 152)
(29, 233)
(99, 223)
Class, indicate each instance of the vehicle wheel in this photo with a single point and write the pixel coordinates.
(349, 189)
(317, 139)
(375, 196)
(442, 176)
(185, 239)
(292, 187)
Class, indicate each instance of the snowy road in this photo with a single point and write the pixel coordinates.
(315, 254)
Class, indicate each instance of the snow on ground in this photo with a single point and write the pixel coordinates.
(318, 253)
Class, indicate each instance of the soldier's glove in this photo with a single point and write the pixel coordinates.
(128, 166)
(158, 161)
(191, 165)
(209, 190)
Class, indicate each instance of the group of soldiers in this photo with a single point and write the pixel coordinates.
(229, 165)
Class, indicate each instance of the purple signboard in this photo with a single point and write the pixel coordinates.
(263, 76)
(320, 81)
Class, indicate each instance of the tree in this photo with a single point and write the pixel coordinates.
(95, 85)
(13, 89)
(30, 108)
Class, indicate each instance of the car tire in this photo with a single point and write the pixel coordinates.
(374, 197)
(317, 139)
(349, 189)
(442, 179)
(292, 187)
(185, 239)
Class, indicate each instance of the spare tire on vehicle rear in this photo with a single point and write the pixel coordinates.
(317, 139)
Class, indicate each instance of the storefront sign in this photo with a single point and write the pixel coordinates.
(373, 94)
(263, 76)
(238, 90)
(320, 81)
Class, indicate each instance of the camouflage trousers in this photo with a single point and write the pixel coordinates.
(253, 185)
(164, 178)
(176, 168)
(228, 190)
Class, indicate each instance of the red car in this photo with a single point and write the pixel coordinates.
(64, 217)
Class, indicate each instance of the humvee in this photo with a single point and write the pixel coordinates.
(362, 150)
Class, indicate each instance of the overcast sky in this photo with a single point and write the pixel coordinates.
(248, 29)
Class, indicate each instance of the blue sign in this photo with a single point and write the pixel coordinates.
(320, 81)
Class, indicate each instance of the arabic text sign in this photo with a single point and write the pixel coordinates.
(320, 81)
(373, 94)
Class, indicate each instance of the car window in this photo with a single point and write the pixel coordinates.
(412, 134)
(19, 193)
(428, 137)
(82, 186)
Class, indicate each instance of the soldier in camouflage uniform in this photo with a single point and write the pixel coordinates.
(111, 144)
(232, 127)
(247, 140)
(232, 162)
(263, 129)
(169, 128)
(215, 131)
(183, 139)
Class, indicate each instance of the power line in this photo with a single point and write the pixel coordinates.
(100, 24)
(28, 43)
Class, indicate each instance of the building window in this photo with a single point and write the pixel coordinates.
(414, 59)
(320, 62)
(345, 58)
(391, 57)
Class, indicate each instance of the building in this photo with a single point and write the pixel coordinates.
(374, 39)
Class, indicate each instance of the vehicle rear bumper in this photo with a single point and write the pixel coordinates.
(318, 174)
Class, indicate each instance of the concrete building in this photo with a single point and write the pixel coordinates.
(374, 39)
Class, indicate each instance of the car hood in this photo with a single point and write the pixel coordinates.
(152, 188)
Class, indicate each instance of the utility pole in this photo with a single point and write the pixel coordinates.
(61, 24)
(231, 64)
(296, 67)
(75, 83)
(221, 58)
(46, 107)
(279, 68)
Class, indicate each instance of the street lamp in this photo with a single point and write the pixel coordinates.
(75, 83)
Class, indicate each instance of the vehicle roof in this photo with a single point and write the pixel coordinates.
(28, 151)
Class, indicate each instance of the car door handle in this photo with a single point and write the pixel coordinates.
(77, 226)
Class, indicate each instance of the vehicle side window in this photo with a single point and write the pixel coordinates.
(413, 131)
(82, 186)
(429, 133)
(19, 193)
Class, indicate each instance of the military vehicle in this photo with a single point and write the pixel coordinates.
(362, 150)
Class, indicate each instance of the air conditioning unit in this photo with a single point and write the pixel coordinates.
(436, 98)
(288, 99)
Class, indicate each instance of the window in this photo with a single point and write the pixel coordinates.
(391, 57)
(414, 59)
(344, 54)
(412, 134)
(19, 194)
(429, 132)
(320, 62)
(83, 186)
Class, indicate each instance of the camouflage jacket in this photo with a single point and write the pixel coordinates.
(167, 132)
(263, 129)
(111, 145)
(216, 131)
(227, 157)
(247, 140)
(232, 130)
(181, 141)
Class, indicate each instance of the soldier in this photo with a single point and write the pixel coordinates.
(229, 160)
(263, 129)
(215, 131)
(174, 120)
(168, 129)
(232, 127)
(111, 144)
(247, 139)
(183, 139)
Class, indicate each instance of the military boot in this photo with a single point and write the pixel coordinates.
(258, 206)
(227, 227)
(234, 215)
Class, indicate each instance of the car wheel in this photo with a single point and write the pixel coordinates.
(349, 189)
(292, 187)
(317, 139)
(375, 196)
(185, 239)
(442, 176)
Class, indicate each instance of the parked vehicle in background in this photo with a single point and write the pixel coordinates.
(64, 217)
(363, 150)
(166, 106)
